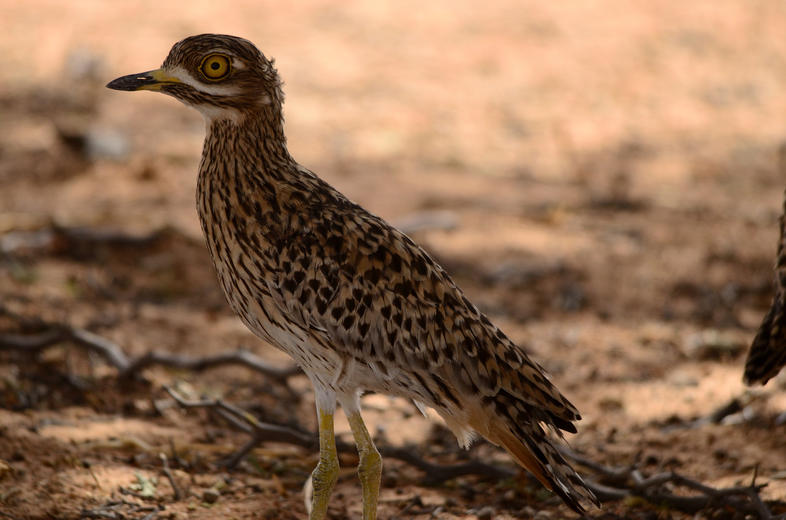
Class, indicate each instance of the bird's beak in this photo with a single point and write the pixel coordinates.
(150, 80)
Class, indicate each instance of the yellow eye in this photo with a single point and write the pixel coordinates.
(215, 67)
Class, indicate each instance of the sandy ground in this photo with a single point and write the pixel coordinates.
(607, 170)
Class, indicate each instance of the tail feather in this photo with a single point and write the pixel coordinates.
(768, 350)
(530, 445)
(519, 417)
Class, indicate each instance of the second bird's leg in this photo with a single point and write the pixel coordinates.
(370, 466)
(324, 476)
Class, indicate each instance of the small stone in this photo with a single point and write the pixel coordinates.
(210, 496)
(82, 64)
(486, 513)
(713, 344)
(6, 469)
(542, 515)
(106, 143)
(611, 404)
(428, 221)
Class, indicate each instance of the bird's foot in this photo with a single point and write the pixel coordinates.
(369, 468)
(324, 476)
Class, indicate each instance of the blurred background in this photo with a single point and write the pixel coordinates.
(601, 177)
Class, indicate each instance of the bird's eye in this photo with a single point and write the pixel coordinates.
(215, 67)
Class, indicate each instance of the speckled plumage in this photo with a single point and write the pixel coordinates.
(353, 300)
(767, 354)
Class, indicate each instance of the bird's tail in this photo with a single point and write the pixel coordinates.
(532, 448)
(768, 350)
(530, 445)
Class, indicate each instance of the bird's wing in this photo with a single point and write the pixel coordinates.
(366, 290)
(378, 298)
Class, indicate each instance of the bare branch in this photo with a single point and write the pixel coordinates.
(171, 478)
(102, 346)
(62, 239)
(656, 489)
(266, 432)
(114, 510)
(248, 423)
(31, 342)
(438, 473)
(56, 333)
(609, 483)
(617, 483)
(238, 357)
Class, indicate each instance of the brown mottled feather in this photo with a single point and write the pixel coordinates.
(353, 300)
(767, 354)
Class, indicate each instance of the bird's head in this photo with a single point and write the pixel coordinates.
(224, 77)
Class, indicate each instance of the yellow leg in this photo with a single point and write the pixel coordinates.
(325, 474)
(370, 467)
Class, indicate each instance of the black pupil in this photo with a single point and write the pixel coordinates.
(215, 65)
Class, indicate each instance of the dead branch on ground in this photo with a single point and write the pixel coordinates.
(50, 335)
(266, 432)
(170, 477)
(622, 483)
(75, 241)
(53, 238)
(119, 510)
(612, 485)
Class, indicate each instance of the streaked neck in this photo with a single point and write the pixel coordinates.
(257, 140)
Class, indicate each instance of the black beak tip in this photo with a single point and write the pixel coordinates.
(130, 82)
(115, 84)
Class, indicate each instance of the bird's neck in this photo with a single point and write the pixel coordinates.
(245, 167)
(250, 145)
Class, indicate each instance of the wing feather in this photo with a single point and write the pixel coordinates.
(381, 299)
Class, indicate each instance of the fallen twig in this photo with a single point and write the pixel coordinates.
(266, 432)
(628, 482)
(75, 241)
(168, 474)
(614, 484)
(238, 357)
(114, 510)
(438, 473)
(55, 333)
(609, 483)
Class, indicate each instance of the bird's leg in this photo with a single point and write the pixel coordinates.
(324, 476)
(370, 466)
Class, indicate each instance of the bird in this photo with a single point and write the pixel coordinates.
(354, 301)
(767, 353)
